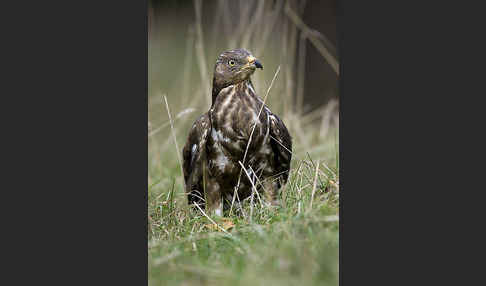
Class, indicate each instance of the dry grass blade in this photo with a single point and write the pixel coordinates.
(281, 144)
(299, 191)
(173, 135)
(328, 113)
(312, 38)
(222, 229)
(312, 115)
(254, 190)
(244, 17)
(235, 196)
(285, 59)
(250, 29)
(225, 14)
(203, 71)
(179, 115)
(253, 129)
(314, 185)
(251, 206)
(331, 171)
(258, 182)
(301, 72)
(232, 202)
(186, 76)
(268, 23)
(259, 113)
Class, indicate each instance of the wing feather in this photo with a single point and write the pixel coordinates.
(281, 143)
(194, 154)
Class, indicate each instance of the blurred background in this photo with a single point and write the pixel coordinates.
(186, 37)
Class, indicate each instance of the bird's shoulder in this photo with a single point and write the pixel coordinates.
(195, 142)
(280, 136)
(277, 126)
(199, 128)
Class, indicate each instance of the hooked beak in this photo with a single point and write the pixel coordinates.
(253, 61)
(258, 64)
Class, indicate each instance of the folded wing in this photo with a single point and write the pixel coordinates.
(281, 144)
(194, 157)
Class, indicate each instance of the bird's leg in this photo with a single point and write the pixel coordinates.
(214, 200)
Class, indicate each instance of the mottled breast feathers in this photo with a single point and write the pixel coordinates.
(222, 138)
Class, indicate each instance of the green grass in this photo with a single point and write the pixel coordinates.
(290, 245)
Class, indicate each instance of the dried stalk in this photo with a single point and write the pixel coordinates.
(312, 38)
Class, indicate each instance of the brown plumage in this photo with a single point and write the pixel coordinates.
(218, 139)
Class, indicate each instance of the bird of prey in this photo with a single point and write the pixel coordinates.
(220, 138)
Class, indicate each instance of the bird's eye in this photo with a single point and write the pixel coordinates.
(231, 63)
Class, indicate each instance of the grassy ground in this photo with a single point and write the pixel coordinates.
(295, 244)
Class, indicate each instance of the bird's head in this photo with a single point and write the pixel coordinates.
(234, 66)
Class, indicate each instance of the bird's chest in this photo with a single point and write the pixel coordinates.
(235, 119)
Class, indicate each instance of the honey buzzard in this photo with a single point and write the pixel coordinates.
(218, 140)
